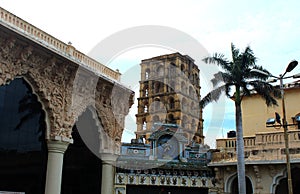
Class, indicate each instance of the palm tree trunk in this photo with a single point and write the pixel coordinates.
(240, 145)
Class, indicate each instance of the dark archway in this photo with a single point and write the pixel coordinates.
(23, 149)
(82, 169)
(282, 186)
(234, 186)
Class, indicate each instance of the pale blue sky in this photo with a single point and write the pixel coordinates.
(271, 28)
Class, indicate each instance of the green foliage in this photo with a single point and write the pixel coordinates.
(236, 74)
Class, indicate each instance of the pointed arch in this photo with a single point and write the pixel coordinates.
(33, 89)
(231, 184)
(22, 138)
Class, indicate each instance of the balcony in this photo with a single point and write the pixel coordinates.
(260, 148)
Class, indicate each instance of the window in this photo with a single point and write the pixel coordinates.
(160, 71)
(171, 119)
(171, 103)
(147, 74)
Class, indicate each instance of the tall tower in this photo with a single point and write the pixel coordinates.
(170, 94)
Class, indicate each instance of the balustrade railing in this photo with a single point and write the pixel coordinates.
(268, 139)
(50, 42)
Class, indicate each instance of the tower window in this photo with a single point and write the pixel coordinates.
(160, 71)
(147, 74)
(171, 103)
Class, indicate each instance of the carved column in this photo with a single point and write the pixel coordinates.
(108, 172)
(56, 150)
(259, 186)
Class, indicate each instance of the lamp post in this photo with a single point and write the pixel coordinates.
(290, 67)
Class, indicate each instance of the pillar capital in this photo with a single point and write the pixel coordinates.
(57, 146)
(109, 158)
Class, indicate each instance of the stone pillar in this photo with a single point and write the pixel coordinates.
(108, 173)
(56, 150)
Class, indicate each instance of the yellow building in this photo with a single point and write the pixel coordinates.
(255, 112)
(265, 158)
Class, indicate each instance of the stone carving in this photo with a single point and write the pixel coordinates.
(258, 178)
(219, 174)
(131, 179)
(174, 180)
(120, 178)
(272, 170)
(194, 181)
(183, 181)
(153, 180)
(52, 78)
(203, 182)
(143, 179)
(168, 180)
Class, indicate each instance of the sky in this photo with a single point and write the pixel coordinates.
(270, 27)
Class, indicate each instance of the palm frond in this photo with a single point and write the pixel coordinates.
(218, 59)
(266, 91)
(247, 58)
(214, 95)
(234, 52)
(221, 77)
(255, 75)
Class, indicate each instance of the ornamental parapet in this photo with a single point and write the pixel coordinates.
(164, 178)
(37, 35)
(267, 146)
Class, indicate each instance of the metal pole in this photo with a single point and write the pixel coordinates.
(286, 139)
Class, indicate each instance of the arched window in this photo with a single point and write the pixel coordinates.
(172, 70)
(184, 122)
(146, 108)
(160, 70)
(171, 119)
(191, 92)
(193, 108)
(171, 103)
(183, 88)
(182, 68)
(194, 126)
(147, 74)
(184, 104)
(146, 91)
(144, 126)
(158, 87)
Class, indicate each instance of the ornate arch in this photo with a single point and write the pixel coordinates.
(64, 88)
(277, 178)
(229, 180)
(50, 77)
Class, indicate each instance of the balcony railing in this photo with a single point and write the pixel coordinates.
(262, 146)
(45, 39)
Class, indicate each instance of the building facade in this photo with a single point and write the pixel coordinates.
(60, 127)
(265, 155)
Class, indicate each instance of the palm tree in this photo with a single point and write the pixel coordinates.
(238, 77)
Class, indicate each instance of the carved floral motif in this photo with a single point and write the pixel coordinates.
(53, 80)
